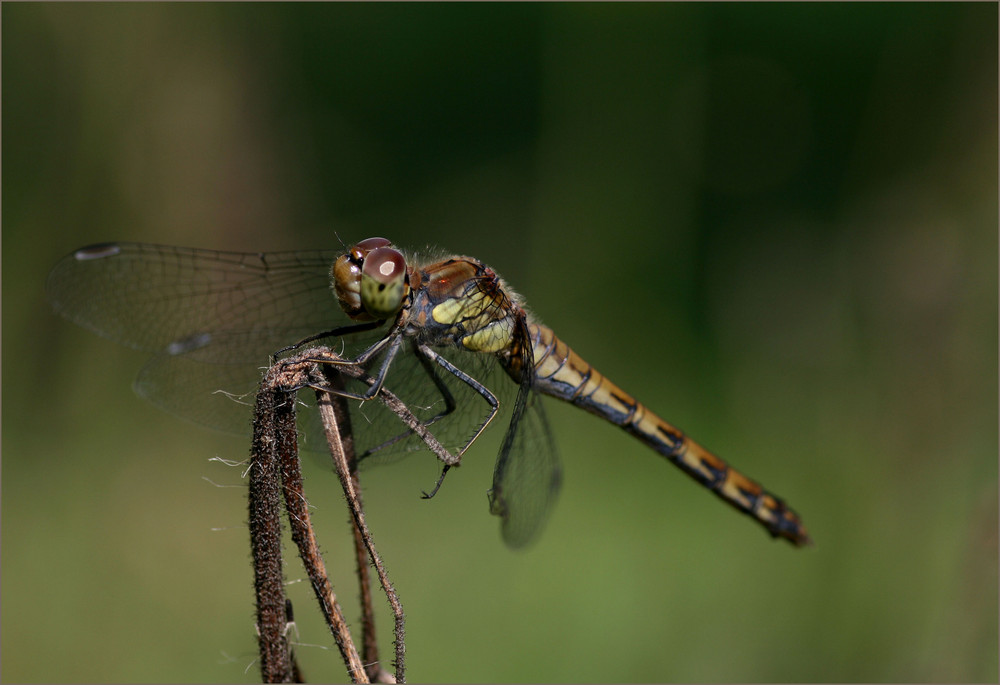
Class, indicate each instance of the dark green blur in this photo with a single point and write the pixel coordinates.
(776, 225)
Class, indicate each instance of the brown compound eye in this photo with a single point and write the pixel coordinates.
(383, 281)
(346, 277)
(361, 250)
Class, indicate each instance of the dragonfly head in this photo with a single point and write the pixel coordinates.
(371, 280)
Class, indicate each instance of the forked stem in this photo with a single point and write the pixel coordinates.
(275, 460)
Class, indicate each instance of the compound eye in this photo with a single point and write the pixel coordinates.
(361, 250)
(383, 281)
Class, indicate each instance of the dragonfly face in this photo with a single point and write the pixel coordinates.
(371, 280)
(447, 337)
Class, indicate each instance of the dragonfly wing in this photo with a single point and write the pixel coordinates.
(527, 475)
(194, 384)
(213, 319)
(179, 301)
(219, 397)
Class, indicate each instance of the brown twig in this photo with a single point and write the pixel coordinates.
(327, 404)
(271, 414)
(369, 638)
(275, 460)
(329, 419)
(305, 539)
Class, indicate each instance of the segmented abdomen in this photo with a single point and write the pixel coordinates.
(561, 372)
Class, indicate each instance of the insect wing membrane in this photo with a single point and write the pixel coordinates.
(167, 299)
(527, 475)
(212, 318)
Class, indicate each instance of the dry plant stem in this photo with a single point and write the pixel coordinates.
(274, 461)
(272, 413)
(369, 638)
(276, 458)
(282, 379)
(328, 416)
(312, 560)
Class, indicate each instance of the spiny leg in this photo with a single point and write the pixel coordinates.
(449, 401)
(483, 391)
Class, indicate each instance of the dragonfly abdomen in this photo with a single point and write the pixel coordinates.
(561, 372)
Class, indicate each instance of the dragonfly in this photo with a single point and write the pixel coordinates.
(444, 333)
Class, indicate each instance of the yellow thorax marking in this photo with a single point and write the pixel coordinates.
(491, 338)
(455, 308)
(474, 310)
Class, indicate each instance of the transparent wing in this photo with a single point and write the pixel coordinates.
(216, 307)
(215, 395)
(221, 396)
(527, 475)
(212, 318)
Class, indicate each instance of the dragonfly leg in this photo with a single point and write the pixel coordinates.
(472, 383)
(384, 395)
(449, 402)
(449, 399)
(374, 383)
(437, 486)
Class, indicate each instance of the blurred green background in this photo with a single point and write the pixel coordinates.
(774, 224)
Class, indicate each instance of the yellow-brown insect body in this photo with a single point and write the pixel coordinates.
(561, 372)
(461, 302)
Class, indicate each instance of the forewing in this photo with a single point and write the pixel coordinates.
(212, 318)
(184, 301)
